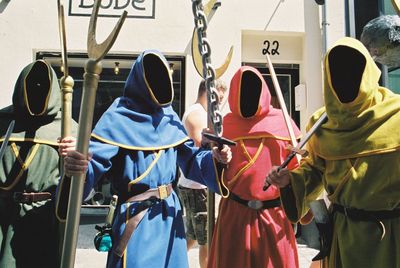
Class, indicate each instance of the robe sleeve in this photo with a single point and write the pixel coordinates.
(197, 164)
(305, 186)
(100, 163)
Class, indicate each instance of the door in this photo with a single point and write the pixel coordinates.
(288, 78)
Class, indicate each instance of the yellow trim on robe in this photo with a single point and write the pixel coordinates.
(34, 140)
(263, 136)
(139, 148)
(141, 177)
(24, 164)
(220, 180)
(48, 94)
(127, 213)
(151, 90)
(58, 200)
(251, 160)
(240, 92)
(359, 128)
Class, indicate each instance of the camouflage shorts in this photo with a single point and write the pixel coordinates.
(195, 204)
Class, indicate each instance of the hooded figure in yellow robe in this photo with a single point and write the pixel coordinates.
(355, 157)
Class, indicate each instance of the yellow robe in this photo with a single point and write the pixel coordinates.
(355, 157)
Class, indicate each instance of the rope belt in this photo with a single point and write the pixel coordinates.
(146, 199)
(256, 204)
(26, 198)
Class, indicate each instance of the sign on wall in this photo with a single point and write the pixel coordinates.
(284, 47)
(113, 8)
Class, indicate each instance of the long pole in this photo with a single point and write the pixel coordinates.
(91, 80)
(93, 69)
(281, 101)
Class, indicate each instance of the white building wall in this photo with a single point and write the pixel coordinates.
(30, 26)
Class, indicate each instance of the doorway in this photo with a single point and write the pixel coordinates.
(288, 79)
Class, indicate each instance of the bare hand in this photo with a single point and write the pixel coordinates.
(224, 155)
(75, 163)
(65, 145)
(279, 179)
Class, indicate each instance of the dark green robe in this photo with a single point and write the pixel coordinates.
(28, 233)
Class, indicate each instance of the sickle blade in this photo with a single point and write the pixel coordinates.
(209, 9)
(396, 7)
(3, 147)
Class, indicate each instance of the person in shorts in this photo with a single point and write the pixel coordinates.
(194, 194)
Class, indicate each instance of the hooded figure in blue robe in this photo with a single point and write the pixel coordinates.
(138, 142)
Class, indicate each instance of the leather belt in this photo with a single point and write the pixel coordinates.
(365, 215)
(146, 199)
(376, 216)
(256, 204)
(161, 192)
(26, 198)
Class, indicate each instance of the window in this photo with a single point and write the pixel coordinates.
(288, 78)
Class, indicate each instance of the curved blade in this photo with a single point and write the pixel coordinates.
(98, 51)
(396, 7)
(3, 147)
(197, 59)
(209, 9)
(63, 40)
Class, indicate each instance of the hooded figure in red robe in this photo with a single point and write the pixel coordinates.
(252, 229)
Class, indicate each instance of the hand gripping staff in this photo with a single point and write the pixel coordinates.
(282, 104)
(214, 115)
(300, 146)
(93, 68)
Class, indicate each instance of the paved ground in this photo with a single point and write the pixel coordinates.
(90, 258)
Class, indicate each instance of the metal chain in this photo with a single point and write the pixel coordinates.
(200, 21)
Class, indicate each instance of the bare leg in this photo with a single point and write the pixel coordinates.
(190, 243)
(316, 264)
(203, 256)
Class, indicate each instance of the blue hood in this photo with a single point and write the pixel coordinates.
(143, 118)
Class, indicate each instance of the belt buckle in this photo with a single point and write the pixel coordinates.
(255, 204)
(163, 191)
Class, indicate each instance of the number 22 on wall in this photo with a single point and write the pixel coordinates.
(271, 48)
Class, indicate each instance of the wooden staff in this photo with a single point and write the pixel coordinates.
(66, 82)
(93, 68)
(281, 100)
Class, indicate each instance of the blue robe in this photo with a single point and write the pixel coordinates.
(125, 143)
(159, 240)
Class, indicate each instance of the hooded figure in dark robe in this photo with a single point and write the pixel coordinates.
(261, 236)
(29, 170)
(139, 141)
(354, 157)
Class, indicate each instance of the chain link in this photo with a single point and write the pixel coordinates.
(200, 21)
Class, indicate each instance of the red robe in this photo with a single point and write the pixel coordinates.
(244, 237)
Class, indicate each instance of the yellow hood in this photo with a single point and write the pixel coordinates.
(369, 123)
